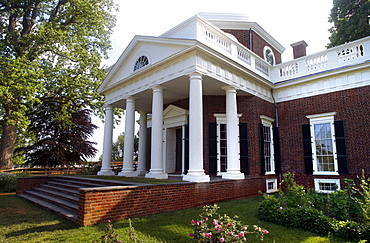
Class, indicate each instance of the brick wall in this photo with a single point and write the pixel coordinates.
(351, 106)
(27, 183)
(99, 205)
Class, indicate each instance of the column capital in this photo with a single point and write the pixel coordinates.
(229, 88)
(158, 88)
(195, 75)
(131, 98)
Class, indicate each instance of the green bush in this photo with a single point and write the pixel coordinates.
(339, 213)
(7, 182)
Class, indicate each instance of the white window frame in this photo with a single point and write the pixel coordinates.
(318, 181)
(320, 119)
(267, 122)
(221, 119)
(274, 189)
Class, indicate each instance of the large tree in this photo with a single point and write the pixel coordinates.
(350, 19)
(49, 46)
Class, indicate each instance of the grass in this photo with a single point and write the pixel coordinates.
(22, 221)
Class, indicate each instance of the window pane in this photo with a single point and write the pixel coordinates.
(324, 147)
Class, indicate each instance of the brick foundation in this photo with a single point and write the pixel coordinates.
(119, 202)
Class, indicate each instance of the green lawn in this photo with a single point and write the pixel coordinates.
(22, 221)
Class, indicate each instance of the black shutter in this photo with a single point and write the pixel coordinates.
(212, 148)
(307, 149)
(340, 141)
(262, 152)
(186, 148)
(277, 158)
(243, 143)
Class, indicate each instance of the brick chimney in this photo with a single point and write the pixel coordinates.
(299, 49)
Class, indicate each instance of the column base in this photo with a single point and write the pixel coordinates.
(141, 172)
(105, 172)
(196, 177)
(156, 175)
(129, 173)
(233, 176)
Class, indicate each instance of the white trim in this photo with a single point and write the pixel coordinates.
(318, 181)
(275, 189)
(267, 122)
(272, 53)
(321, 119)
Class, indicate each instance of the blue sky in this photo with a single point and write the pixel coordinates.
(288, 21)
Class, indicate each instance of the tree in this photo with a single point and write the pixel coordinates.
(350, 19)
(59, 142)
(117, 147)
(49, 46)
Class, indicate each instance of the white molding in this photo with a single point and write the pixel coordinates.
(318, 181)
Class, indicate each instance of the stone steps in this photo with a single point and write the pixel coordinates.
(61, 195)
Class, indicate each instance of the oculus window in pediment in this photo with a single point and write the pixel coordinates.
(141, 62)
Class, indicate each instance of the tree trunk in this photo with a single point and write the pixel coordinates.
(7, 143)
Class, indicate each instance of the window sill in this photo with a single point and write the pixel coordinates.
(326, 173)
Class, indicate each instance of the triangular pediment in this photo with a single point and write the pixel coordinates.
(155, 49)
(173, 111)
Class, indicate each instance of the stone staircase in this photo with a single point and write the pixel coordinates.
(61, 195)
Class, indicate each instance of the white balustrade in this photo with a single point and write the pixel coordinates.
(244, 55)
(350, 53)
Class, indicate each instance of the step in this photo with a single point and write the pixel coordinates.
(65, 185)
(54, 200)
(80, 183)
(60, 210)
(57, 194)
(72, 192)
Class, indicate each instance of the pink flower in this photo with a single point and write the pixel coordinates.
(215, 222)
(222, 239)
(119, 241)
(192, 222)
(209, 235)
(259, 229)
(206, 219)
(228, 225)
(245, 228)
(108, 220)
(191, 235)
(200, 222)
(266, 232)
(241, 234)
(281, 208)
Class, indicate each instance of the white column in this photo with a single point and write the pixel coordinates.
(141, 167)
(156, 170)
(196, 171)
(106, 168)
(128, 148)
(232, 133)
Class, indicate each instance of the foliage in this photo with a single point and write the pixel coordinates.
(350, 19)
(213, 227)
(110, 235)
(337, 213)
(364, 200)
(117, 147)
(7, 182)
(59, 142)
(49, 47)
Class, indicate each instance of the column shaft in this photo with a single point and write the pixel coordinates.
(106, 168)
(141, 168)
(196, 171)
(128, 149)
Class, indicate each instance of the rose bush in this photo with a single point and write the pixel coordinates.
(213, 227)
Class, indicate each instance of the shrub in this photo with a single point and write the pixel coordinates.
(7, 182)
(213, 227)
(338, 213)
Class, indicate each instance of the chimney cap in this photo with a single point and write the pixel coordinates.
(302, 42)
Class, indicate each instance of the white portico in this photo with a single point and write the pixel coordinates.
(189, 62)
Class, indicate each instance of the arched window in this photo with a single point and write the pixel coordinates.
(141, 62)
(268, 54)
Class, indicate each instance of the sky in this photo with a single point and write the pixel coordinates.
(288, 21)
